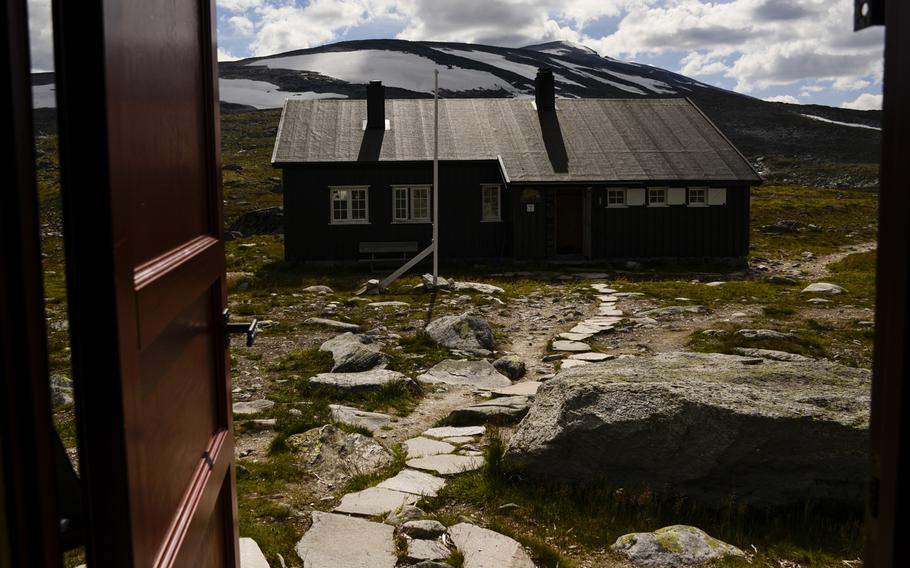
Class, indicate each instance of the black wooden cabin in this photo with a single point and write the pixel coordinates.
(538, 178)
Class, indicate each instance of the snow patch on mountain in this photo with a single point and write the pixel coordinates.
(393, 68)
(839, 123)
(261, 94)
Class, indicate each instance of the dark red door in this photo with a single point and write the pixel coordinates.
(568, 221)
(140, 165)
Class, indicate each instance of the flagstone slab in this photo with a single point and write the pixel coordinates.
(483, 548)
(420, 550)
(453, 431)
(414, 482)
(251, 555)
(374, 501)
(367, 380)
(575, 336)
(592, 357)
(569, 363)
(422, 447)
(582, 328)
(464, 372)
(372, 421)
(571, 346)
(458, 440)
(334, 324)
(447, 464)
(610, 311)
(527, 388)
(253, 406)
(365, 544)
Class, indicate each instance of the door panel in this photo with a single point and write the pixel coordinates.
(568, 221)
(145, 262)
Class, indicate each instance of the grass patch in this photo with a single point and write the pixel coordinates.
(399, 397)
(779, 312)
(555, 516)
(856, 274)
(803, 344)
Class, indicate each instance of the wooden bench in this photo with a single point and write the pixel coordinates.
(386, 252)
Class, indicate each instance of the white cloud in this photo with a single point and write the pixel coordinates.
(866, 101)
(242, 25)
(239, 5)
(850, 84)
(41, 35)
(225, 55)
(789, 99)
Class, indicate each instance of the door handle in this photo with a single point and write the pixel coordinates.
(248, 328)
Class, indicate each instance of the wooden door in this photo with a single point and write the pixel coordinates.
(568, 221)
(140, 167)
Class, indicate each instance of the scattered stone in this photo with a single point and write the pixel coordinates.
(365, 544)
(671, 311)
(483, 548)
(335, 455)
(479, 287)
(251, 555)
(771, 354)
(462, 372)
(344, 326)
(591, 357)
(374, 501)
(589, 330)
(823, 288)
(819, 301)
(704, 426)
(628, 294)
(422, 447)
(372, 421)
(423, 529)
(511, 366)
(509, 507)
(678, 545)
(432, 564)
(354, 353)
(447, 464)
(505, 410)
(739, 315)
(553, 357)
(414, 482)
(62, 390)
(714, 332)
(593, 275)
(367, 380)
(252, 406)
(527, 388)
(715, 284)
(782, 280)
(388, 305)
(570, 346)
(570, 363)
(403, 515)
(760, 334)
(260, 425)
(441, 283)
(575, 336)
(453, 432)
(258, 222)
(465, 332)
(318, 290)
(419, 550)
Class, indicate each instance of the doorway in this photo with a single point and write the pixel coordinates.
(569, 222)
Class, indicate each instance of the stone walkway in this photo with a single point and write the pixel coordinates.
(573, 344)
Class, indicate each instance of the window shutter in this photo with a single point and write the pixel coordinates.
(676, 196)
(635, 196)
(717, 196)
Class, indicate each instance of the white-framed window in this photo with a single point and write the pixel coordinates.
(657, 197)
(698, 197)
(490, 195)
(411, 204)
(350, 205)
(616, 198)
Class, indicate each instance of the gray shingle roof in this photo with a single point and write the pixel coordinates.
(591, 140)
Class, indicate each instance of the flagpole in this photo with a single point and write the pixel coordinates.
(436, 179)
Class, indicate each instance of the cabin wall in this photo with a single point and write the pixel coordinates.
(309, 235)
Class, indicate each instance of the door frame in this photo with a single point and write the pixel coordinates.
(583, 243)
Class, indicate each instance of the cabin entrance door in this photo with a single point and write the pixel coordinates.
(137, 87)
(569, 222)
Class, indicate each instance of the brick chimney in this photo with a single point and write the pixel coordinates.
(545, 89)
(375, 106)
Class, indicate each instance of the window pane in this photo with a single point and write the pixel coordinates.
(420, 203)
(491, 203)
(401, 203)
(358, 204)
(339, 204)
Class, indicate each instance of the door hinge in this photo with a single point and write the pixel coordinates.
(248, 328)
(867, 13)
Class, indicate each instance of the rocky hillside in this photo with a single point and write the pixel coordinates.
(341, 70)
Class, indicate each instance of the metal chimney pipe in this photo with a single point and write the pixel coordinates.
(375, 106)
(545, 89)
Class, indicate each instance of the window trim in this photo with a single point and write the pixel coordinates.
(409, 220)
(483, 217)
(660, 203)
(349, 201)
(625, 199)
(702, 203)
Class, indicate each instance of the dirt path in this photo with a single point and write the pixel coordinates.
(818, 267)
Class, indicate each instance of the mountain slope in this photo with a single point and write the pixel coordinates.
(341, 70)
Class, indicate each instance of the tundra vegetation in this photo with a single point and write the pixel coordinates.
(800, 234)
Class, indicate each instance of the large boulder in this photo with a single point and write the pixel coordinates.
(465, 332)
(259, 222)
(511, 366)
(354, 353)
(705, 426)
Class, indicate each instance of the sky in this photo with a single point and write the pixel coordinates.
(796, 51)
